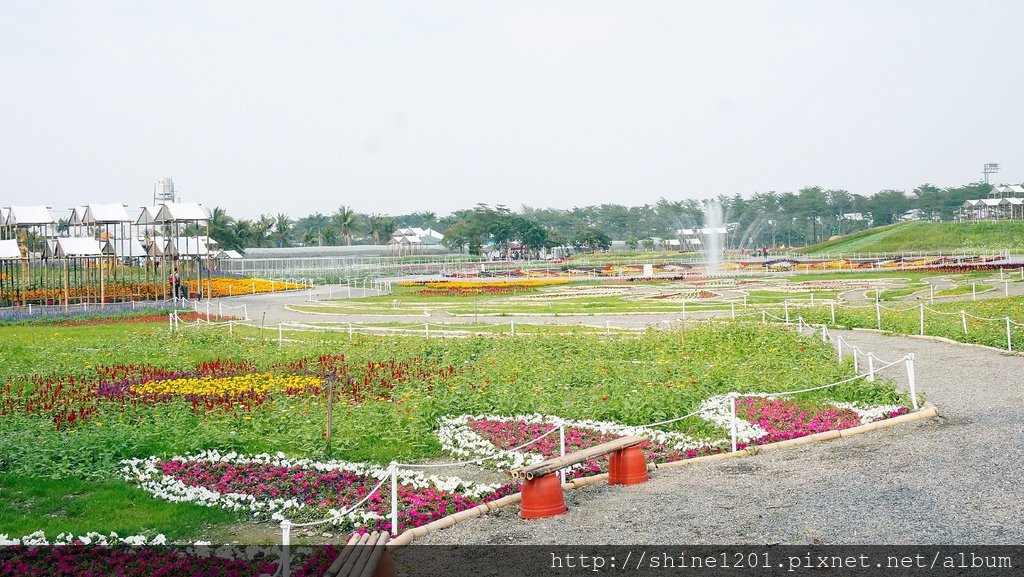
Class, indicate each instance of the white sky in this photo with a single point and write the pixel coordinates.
(391, 107)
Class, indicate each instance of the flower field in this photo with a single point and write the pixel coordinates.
(193, 419)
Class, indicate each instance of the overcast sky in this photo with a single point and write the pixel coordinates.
(299, 107)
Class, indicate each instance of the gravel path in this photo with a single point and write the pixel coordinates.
(954, 479)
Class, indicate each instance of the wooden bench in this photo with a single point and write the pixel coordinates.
(364, 555)
(542, 488)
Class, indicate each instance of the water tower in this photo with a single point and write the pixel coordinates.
(163, 191)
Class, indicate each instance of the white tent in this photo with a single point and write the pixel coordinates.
(183, 246)
(229, 254)
(77, 216)
(105, 214)
(123, 247)
(9, 249)
(181, 212)
(29, 216)
(77, 247)
(148, 215)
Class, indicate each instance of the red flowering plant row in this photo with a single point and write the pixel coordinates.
(222, 385)
(758, 420)
(278, 488)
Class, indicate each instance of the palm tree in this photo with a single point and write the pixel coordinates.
(381, 227)
(345, 222)
(282, 229)
(262, 229)
(220, 227)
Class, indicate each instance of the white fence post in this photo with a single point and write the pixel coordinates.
(732, 310)
(832, 308)
(839, 348)
(856, 360)
(170, 322)
(280, 334)
(286, 542)
(911, 380)
(1009, 341)
(878, 315)
(561, 446)
(684, 310)
(963, 317)
(871, 366)
(426, 330)
(732, 409)
(785, 306)
(931, 299)
(607, 327)
(350, 332)
(764, 319)
(394, 498)
(922, 318)
(974, 291)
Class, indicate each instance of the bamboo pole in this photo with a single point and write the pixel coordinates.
(550, 465)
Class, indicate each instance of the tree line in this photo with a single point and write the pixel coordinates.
(809, 215)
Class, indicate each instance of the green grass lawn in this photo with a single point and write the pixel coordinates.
(29, 504)
(926, 236)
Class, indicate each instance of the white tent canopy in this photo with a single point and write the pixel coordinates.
(183, 246)
(9, 249)
(181, 212)
(77, 247)
(148, 215)
(231, 254)
(105, 214)
(29, 215)
(77, 216)
(123, 247)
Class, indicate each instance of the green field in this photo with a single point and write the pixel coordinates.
(946, 237)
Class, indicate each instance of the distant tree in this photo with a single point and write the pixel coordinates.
(344, 221)
(282, 229)
(381, 227)
(591, 239)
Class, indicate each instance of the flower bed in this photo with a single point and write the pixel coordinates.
(759, 420)
(277, 488)
(211, 386)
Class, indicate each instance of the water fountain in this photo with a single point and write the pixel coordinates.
(713, 229)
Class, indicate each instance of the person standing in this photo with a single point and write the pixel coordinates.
(175, 283)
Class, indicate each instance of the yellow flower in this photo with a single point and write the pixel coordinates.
(256, 382)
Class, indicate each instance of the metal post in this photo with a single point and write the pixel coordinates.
(911, 380)
(394, 498)
(732, 409)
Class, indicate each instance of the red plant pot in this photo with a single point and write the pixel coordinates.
(542, 497)
(627, 467)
